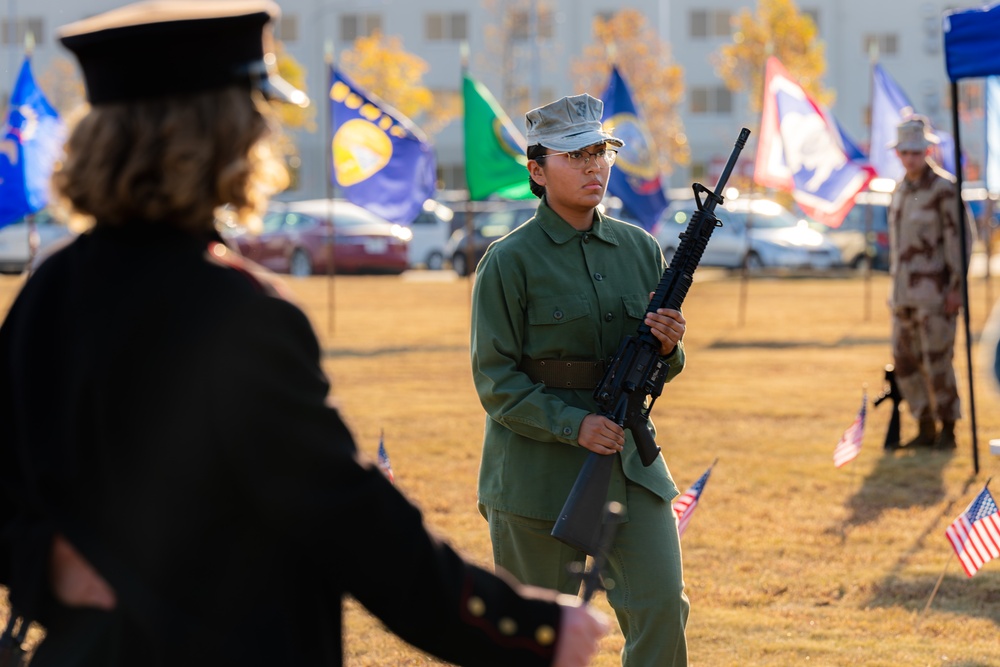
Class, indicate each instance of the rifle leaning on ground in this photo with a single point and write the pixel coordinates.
(892, 393)
(635, 375)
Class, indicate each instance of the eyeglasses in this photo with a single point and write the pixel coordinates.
(580, 159)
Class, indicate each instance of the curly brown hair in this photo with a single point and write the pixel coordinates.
(172, 159)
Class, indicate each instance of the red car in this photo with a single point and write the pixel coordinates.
(296, 239)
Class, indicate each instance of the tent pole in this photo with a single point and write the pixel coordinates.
(963, 226)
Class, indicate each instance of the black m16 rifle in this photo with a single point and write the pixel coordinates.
(892, 393)
(635, 376)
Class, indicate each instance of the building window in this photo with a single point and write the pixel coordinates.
(14, 31)
(447, 27)
(288, 28)
(711, 100)
(708, 23)
(520, 24)
(883, 44)
(353, 26)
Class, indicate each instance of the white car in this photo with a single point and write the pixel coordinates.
(762, 235)
(431, 231)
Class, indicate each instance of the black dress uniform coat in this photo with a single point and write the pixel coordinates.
(166, 411)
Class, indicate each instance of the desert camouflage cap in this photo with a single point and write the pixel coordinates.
(568, 124)
(914, 134)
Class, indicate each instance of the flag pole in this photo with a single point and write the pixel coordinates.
(916, 623)
(328, 174)
(869, 257)
(31, 229)
(963, 225)
(470, 227)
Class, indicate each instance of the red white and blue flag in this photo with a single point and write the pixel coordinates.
(975, 534)
(850, 443)
(383, 459)
(686, 503)
(804, 151)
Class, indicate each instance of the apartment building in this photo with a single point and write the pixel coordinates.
(535, 64)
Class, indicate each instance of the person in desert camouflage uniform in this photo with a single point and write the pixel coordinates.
(927, 270)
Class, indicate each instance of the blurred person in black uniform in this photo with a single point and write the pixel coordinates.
(175, 488)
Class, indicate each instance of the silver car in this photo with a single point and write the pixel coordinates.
(757, 233)
(21, 241)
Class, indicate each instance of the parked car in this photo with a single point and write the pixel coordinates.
(769, 237)
(858, 248)
(431, 231)
(491, 221)
(295, 239)
(17, 239)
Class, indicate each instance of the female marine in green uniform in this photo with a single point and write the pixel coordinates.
(567, 286)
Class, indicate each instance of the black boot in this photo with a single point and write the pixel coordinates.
(927, 434)
(946, 438)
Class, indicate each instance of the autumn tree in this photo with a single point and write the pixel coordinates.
(63, 88)
(656, 81)
(291, 116)
(777, 28)
(381, 66)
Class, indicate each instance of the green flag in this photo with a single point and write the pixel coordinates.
(495, 163)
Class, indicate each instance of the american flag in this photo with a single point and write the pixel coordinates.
(383, 458)
(975, 534)
(686, 503)
(850, 443)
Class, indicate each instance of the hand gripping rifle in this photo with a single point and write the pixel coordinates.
(635, 375)
(892, 393)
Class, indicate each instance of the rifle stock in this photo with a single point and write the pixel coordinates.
(892, 393)
(635, 376)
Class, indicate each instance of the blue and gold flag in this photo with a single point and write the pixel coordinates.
(635, 178)
(381, 160)
(31, 143)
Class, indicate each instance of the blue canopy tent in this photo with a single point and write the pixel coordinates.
(971, 50)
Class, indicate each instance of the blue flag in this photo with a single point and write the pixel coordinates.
(635, 178)
(381, 160)
(32, 141)
(890, 106)
(993, 133)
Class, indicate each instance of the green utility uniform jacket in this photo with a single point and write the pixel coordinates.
(548, 291)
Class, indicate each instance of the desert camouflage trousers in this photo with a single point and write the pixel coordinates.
(923, 346)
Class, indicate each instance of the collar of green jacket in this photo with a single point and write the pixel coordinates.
(561, 231)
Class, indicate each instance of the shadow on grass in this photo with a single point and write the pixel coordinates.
(906, 479)
(957, 594)
(846, 341)
(901, 479)
(334, 352)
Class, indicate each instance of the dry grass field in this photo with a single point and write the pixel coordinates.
(788, 560)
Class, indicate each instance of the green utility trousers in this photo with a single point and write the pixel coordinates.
(644, 565)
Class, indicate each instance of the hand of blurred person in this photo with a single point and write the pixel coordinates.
(74, 580)
(580, 632)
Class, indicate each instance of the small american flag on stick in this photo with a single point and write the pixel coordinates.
(850, 443)
(686, 503)
(975, 534)
(383, 458)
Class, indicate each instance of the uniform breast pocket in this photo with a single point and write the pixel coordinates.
(557, 310)
(635, 306)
